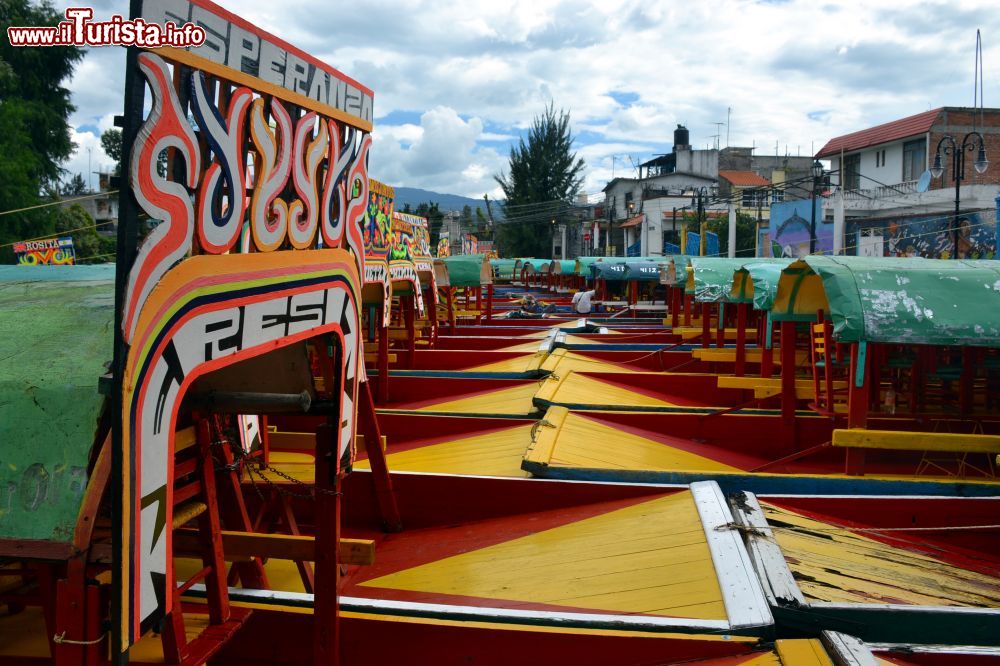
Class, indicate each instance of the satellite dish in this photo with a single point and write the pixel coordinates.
(924, 182)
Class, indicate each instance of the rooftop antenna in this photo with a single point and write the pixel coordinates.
(718, 133)
(729, 118)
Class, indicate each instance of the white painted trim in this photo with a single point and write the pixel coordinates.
(769, 496)
(946, 610)
(742, 593)
(978, 650)
(482, 614)
(847, 650)
(769, 562)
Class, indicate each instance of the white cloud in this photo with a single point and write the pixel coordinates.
(474, 64)
(86, 162)
(442, 154)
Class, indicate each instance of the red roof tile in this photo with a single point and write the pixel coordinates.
(633, 221)
(744, 178)
(873, 136)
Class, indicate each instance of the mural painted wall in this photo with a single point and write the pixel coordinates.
(790, 227)
(931, 236)
(470, 244)
(444, 245)
(49, 251)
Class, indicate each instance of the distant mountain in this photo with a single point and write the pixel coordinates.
(415, 196)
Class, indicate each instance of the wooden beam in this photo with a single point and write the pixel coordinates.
(896, 440)
(244, 545)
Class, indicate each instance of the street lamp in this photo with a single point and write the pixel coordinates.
(817, 175)
(698, 197)
(948, 146)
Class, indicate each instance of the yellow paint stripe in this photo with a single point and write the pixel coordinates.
(802, 652)
(896, 440)
(493, 454)
(649, 558)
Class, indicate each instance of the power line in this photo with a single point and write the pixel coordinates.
(60, 202)
(28, 240)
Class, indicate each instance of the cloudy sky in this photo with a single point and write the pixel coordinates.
(457, 81)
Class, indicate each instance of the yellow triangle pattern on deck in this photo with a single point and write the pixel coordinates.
(577, 389)
(513, 400)
(591, 444)
(525, 363)
(649, 558)
(493, 454)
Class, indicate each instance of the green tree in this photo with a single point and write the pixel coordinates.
(434, 219)
(111, 142)
(73, 187)
(74, 221)
(466, 217)
(746, 234)
(543, 172)
(34, 133)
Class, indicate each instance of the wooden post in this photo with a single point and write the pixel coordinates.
(489, 303)
(788, 373)
(384, 494)
(767, 351)
(210, 530)
(450, 293)
(326, 611)
(857, 404)
(965, 386)
(741, 339)
(383, 356)
(687, 308)
(706, 325)
(720, 326)
(409, 304)
(676, 296)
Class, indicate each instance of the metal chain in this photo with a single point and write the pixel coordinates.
(256, 468)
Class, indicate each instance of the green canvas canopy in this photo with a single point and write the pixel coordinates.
(645, 271)
(563, 267)
(583, 265)
(56, 335)
(896, 300)
(757, 282)
(673, 271)
(467, 270)
(713, 277)
(503, 269)
(612, 272)
(535, 265)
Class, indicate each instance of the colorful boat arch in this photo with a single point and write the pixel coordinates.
(182, 317)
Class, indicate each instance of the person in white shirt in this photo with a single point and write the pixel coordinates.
(581, 301)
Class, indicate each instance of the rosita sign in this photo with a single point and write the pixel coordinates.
(260, 247)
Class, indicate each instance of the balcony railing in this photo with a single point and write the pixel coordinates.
(881, 191)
